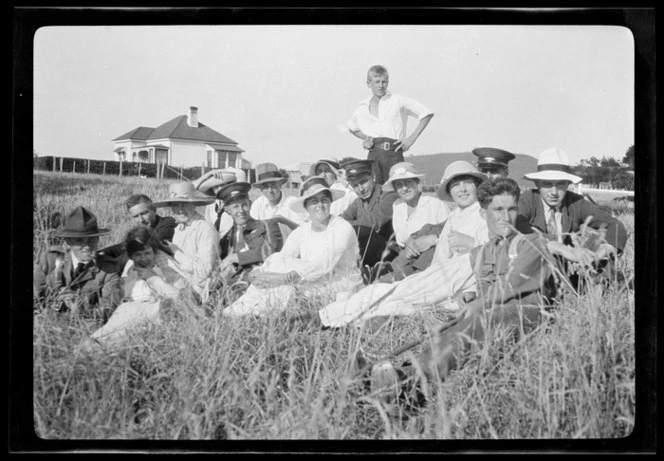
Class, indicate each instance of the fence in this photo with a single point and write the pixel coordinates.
(110, 167)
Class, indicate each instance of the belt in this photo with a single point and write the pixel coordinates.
(384, 143)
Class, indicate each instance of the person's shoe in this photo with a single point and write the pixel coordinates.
(385, 381)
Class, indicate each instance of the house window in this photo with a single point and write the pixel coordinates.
(223, 157)
(143, 156)
(231, 159)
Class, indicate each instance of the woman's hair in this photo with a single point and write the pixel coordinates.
(324, 192)
(475, 179)
(140, 238)
(499, 186)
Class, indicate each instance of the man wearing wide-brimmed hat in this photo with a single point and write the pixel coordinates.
(195, 244)
(380, 122)
(330, 169)
(273, 203)
(493, 162)
(250, 240)
(552, 209)
(370, 214)
(81, 280)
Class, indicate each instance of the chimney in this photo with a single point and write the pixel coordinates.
(192, 120)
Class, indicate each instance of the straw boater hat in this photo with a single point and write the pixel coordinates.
(553, 165)
(81, 223)
(331, 161)
(454, 170)
(268, 172)
(357, 168)
(490, 156)
(311, 187)
(223, 176)
(184, 192)
(400, 171)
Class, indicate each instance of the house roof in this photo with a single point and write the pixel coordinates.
(141, 134)
(225, 147)
(177, 128)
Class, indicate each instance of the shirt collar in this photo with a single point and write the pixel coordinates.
(547, 207)
(367, 101)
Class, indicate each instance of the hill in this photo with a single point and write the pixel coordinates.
(433, 165)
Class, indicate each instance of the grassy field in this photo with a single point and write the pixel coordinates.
(202, 377)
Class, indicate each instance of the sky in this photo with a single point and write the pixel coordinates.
(284, 92)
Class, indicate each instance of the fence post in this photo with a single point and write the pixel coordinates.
(120, 172)
(139, 168)
(202, 169)
(61, 159)
(73, 167)
(103, 169)
(88, 166)
(180, 172)
(53, 157)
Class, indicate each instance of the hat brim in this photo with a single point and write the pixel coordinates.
(268, 180)
(388, 187)
(553, 176)
(195, 202)
(335, 170)
(74, 234)
(442, 190)
(298, 204)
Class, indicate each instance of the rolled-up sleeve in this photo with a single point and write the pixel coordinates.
(415, 108)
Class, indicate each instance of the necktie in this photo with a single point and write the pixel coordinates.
(240, 243)
(551, 222)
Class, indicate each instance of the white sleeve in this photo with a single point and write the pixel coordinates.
(415, 108)
(324, 262)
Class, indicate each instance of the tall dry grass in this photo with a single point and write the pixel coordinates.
(206, 377)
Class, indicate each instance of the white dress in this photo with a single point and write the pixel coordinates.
(429, 210)
(326, 261)
(446, 276)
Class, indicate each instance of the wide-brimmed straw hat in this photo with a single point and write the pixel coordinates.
(311, 187)
(553, 165)
(454, 170)
(184, 192)
(81, 222)
(221, 177)
(400, 171)
(331, 161)
(267, 173)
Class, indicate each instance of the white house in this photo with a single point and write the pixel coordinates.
(183, 141)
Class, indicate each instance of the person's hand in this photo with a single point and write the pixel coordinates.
(410, 247)
(582, 256)
(170, 245)
(459, 242)
(368, 143)
(404, 144)
(425, 242)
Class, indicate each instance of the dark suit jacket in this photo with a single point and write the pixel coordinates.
(99, 284)
(263, 238)
(575, 210)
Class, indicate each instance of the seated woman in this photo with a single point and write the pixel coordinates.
(411, 211)
(147, 281)
(321, 254)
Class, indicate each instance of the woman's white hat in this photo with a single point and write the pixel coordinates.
(184, 192)
(454, 170)
(400, 171)
(553, 165)
(330, 161)
(224, 176)
(311, 187)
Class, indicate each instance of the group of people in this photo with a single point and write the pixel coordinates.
(359, 235)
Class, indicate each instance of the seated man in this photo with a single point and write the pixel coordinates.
(72, 274)
(142, 212)
(505, 296)
(273, 203)
(561, 214)
(210, 183)
(370, 213)
(249, 241)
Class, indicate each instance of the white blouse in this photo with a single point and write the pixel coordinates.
(467, 221)
(429, 210)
